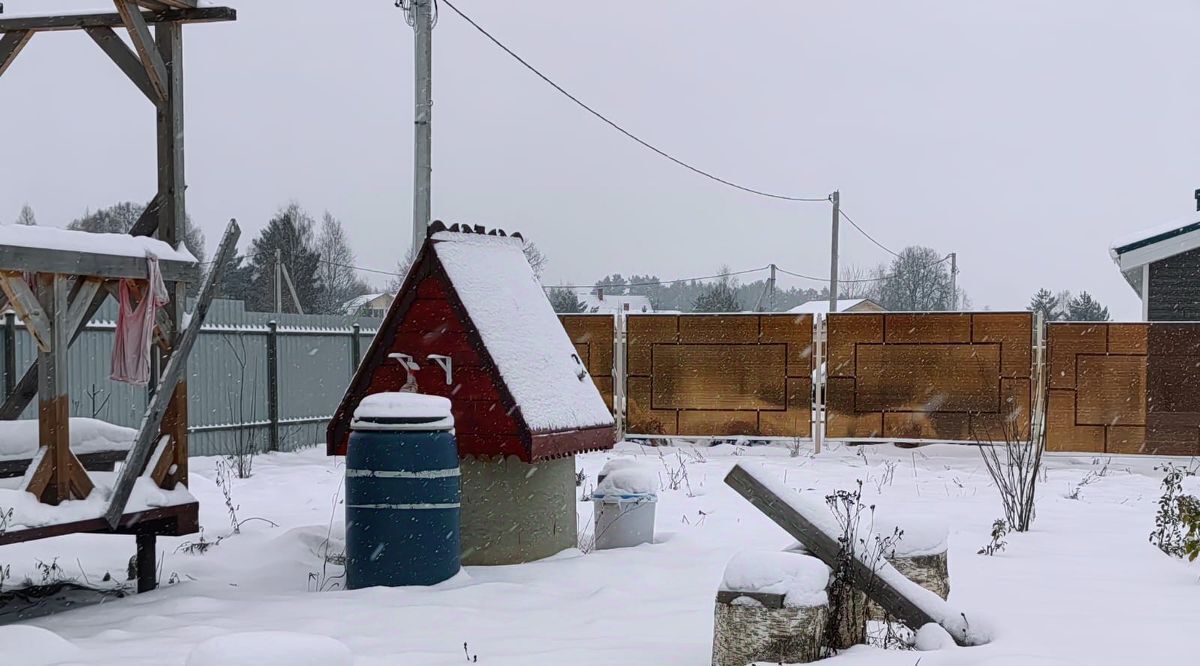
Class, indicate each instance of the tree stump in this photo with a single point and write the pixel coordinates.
(763, 628)
(931, 572)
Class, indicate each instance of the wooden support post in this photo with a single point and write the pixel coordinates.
(147, 568)
(273, 385)
(10, 353)
(355, 348)
(172, 187)
(825, 547)
(11, 44)
(59, 476)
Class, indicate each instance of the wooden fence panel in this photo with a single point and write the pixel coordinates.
(1123, 388)
(719, 375)
(593, 337)
(928, 376)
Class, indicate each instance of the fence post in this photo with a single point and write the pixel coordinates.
(273, 384)
(355, 348)
(619, 372)
(10, 353)
(818, 411)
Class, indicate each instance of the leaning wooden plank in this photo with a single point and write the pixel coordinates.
(812, 525)
(126, 60)
(147, 435)
(25, 389)
(143, 42)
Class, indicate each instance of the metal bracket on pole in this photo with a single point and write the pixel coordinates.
(445, 364)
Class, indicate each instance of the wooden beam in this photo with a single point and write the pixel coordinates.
(77, 312)
(11, 44)
(88, 264)
(159, 5)
(26, 389)
(113, 20)
(825, 547)
(125, 59)
(172, 376)
(28, 308)
(143, 43)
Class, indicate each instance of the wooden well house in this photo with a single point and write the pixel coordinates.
(473, 324)
(56, 280)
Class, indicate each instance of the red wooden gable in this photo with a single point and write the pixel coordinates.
(427, 318)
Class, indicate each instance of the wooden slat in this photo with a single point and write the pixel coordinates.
(159, 5)
(57, 22)
(11, 44)
(825, 547)
(124, 57)
(168, 521)
(172, 375)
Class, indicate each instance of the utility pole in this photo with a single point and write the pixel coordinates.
(419, 14)
(953, 280)
(771, 290)
(836, 199)
(278, 281)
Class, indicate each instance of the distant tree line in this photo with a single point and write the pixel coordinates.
(1064, 306)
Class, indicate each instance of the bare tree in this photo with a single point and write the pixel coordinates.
(856, 281)
(918, 280)
(26, 216)
(336, 270)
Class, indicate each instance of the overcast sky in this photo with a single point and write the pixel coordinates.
(1022, 135)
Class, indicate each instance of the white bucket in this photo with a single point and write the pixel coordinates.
(623, 521)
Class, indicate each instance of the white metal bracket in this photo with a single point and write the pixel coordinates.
(445, 364)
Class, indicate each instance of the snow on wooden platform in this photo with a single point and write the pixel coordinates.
(120, 245)
(19, 439)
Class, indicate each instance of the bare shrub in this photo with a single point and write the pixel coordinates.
(1014, 465)
(997, 544)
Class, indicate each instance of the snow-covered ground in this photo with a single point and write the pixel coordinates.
(1084, 587)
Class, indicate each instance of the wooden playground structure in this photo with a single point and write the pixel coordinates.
(70, 284)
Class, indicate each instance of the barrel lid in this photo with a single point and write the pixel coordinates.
(403, 411)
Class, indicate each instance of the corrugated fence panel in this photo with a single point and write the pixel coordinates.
(315, 368)
(1123, 388)
(719, 375)
(227, 392)
(929, 376)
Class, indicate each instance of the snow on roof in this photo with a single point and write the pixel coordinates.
(19, 439)
(616, 303)
(1155, 234)
(522, 333)
(822, 306)
(359, 301)
(121, 245)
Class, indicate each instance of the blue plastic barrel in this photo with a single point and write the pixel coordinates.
(402, 492)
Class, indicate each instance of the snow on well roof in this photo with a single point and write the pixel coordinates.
(522, 333)
(121, 245)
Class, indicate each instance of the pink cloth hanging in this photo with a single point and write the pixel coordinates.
(135, 328)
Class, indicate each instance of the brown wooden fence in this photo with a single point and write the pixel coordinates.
(593, 337)
(1123, 388)
(943, 376)
(1112, 388)
(719, 375)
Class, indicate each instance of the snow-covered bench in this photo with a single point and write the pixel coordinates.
(98, 444)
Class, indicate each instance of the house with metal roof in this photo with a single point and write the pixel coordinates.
(1162, 264)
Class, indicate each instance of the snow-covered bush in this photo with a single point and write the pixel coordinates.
(997, 544)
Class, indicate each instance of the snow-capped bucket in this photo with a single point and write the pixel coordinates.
(402, 492)
(624, 505)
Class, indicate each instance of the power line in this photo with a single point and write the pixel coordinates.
(656, 282)
(874, 279)
(622, 130)
(869, 236)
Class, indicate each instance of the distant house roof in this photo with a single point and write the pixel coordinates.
(616, 303)
(843, 305)
(1133, 251)
(359, 301)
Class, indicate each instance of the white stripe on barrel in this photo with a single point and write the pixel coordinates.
(401, 474)
(405, 507)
